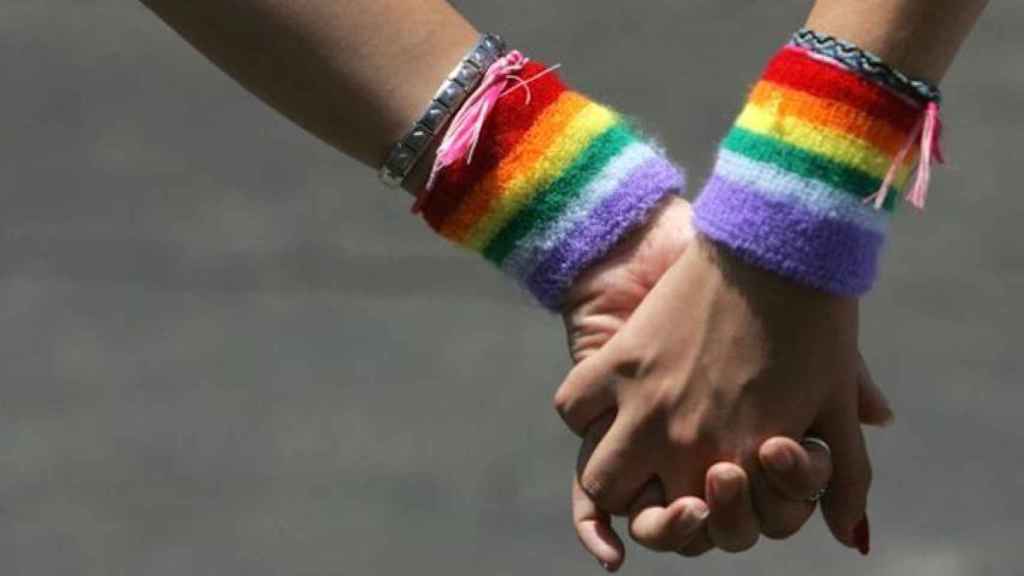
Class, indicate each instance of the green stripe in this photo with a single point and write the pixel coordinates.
(551, 203)
(807, 164)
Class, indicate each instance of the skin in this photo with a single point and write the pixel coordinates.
(720, 355)
(324, 73)
(357, 73)
(919, 37)
(599, 307)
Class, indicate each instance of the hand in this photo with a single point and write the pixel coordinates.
(599, 305)
(691, 526)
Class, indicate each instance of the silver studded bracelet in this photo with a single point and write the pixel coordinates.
(453, 92)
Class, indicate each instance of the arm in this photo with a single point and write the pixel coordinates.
(355, 73)
(724, 351)
(358, 73)
(556, 180)
(919, 37)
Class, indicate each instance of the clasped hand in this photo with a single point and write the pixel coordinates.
(696, 375)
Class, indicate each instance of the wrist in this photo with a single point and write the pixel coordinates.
(419, 144)
(805, 182)
(921, 38)
(552, 180)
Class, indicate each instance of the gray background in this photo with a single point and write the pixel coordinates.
(226, 350)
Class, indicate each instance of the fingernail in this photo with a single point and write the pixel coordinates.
(781, 460)
(699, 510)
(608, 567)
(862, 536)
(723, 490)
(691, 515)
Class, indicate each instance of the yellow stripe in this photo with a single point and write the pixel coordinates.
(524, 154)
(562, 149)
(815, 138)
(828, 114)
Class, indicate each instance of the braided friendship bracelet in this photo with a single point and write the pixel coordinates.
(541, 180)
(817, 142)
(867, 64)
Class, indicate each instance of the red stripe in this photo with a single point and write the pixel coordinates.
(506, 125)
(795, 69)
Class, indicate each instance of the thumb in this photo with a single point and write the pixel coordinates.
(872, 405)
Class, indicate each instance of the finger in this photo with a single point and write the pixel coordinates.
(700, 543)
(683, 480)
(794, 471)
(791, 475)
(594, 529)
(615, 472)
(845, 503)
(733, 526)
(585, 394)
(872, 405)
(661, 527)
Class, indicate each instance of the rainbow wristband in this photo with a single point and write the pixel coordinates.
(555, 181)
(792, 185)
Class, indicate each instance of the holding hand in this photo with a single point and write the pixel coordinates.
(599, 305)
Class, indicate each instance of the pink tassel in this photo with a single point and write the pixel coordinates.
(463, 133)
(931, 146)
(927, 132)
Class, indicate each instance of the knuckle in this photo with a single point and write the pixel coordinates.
(567, 405)
(597, 486)
(681, 432)
(637, 362)
(563, 402)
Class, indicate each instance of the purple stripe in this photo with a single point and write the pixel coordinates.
(602, 228)
(786, 238)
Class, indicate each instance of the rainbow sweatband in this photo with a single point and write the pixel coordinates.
(554, 182)
(793, 185)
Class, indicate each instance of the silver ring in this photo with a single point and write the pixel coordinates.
(815, 441)
(814, 498)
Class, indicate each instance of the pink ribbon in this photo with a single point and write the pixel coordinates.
(927, 132)
(463, 134)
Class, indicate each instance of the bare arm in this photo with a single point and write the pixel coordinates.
(728, 298)
(356, 73)
(919, 37)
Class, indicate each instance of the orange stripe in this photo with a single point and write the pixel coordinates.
(829, 113)
(527, 152)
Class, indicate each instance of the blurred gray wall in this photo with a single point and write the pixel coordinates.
(226, 350)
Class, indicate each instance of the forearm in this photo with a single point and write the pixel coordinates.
(356, 73)
(829, 139)
(919, 37)
(552, 181)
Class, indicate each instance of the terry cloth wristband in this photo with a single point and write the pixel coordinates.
(807, 178)
(541, 180)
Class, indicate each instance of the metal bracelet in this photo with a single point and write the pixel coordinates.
(450, 96)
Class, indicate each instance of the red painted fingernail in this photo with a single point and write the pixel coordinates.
(862, 536)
